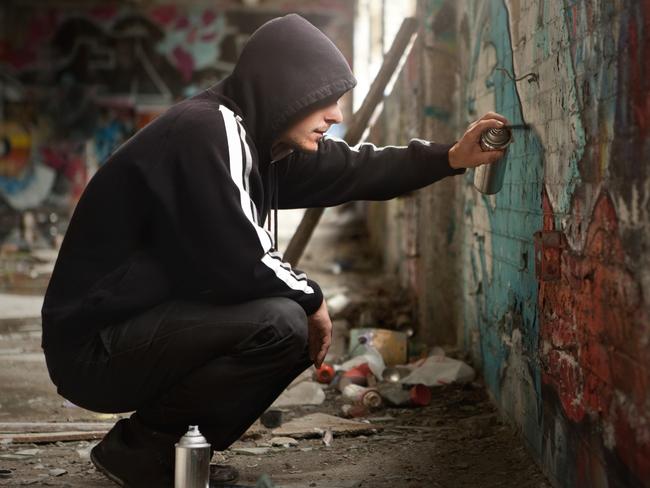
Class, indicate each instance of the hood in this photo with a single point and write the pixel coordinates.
(286, 66)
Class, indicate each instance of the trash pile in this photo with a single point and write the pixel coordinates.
(380, 369)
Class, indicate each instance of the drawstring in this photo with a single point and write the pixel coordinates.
(276, 191)
(274, 205)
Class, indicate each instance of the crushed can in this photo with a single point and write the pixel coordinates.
(488, 178)
(368, 397)
(192, 466)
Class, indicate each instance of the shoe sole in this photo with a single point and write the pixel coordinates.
(100, 467)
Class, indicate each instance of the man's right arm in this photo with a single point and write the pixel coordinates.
(339, 173)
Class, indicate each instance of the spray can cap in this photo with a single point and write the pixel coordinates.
(193, 438)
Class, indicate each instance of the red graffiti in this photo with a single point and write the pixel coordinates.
(164, 14)
(594, 348)
(67, 158)
(211, 36)
(208, 17)
(22, 52)
(182, 23)
(184, 62)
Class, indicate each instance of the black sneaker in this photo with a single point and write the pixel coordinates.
(135, 456)
(124, 459)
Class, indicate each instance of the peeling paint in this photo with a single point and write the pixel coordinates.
(565, 354)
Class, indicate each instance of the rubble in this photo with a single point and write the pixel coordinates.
(313, 425)
(272, 418)
(305, 393)
(251, 451)
(284, 441)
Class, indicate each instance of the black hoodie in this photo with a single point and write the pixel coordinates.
(177, 212)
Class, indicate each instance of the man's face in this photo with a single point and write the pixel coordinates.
(304, 134)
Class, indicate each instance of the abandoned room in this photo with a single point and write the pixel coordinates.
(325, 243)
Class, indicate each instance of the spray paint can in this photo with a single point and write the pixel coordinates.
(192, 468)
(488, 178)
(325, 374)
(368, 397)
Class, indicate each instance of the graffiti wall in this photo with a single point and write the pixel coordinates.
(553, 270)
(78, 78)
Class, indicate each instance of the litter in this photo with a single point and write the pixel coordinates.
(337, 303)
(397, 396)
(359, 375)
(325, 374)
(440, 370)
(305, 393)
(372, 357)
(391, 345)
(354, 411)
(328, 437)
(368, 397)
(393, 374)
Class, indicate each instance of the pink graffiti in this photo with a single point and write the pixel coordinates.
(208, 17)
(182, 23)
(164, 14)
(184, 62)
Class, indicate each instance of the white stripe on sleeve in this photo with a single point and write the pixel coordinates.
(286, 275)
(272, 259)
(236, 173)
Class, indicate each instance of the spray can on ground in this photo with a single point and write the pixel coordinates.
(488, 178)
(192, 467)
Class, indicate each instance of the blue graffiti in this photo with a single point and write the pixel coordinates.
(508, 297)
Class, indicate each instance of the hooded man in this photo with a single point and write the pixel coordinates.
(169, 298)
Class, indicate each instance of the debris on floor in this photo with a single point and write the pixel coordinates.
(385, 411)
(305, 393)
(313, 425)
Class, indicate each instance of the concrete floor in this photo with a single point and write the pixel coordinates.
(459, 440)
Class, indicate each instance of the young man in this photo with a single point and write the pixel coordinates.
(169, 297)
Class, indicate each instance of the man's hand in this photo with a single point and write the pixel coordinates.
(467, 152)
(320, 334)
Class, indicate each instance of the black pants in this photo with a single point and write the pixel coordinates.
(189, 363)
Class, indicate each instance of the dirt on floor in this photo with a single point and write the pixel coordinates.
(459, 440)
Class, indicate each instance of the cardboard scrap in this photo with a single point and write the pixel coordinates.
(313, 425)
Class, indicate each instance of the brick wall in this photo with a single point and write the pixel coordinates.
(545, 281)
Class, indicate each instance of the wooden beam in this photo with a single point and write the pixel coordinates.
(39, 427)
(43, 437)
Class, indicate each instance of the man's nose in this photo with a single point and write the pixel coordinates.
(333, 115)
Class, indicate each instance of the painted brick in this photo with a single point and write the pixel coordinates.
(582, 400)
